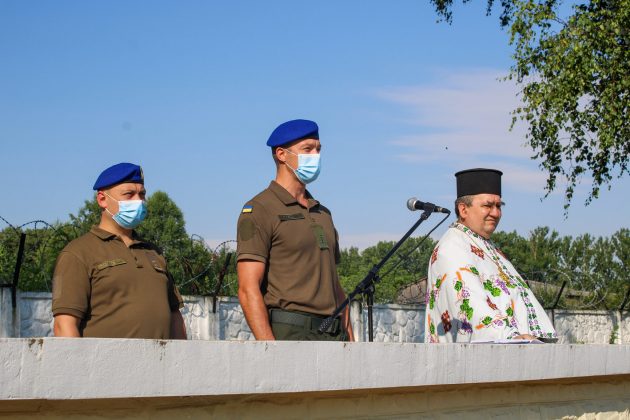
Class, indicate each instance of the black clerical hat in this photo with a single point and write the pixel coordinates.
(478, 181)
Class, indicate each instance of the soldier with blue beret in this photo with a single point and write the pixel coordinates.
(111, 283)
(288, 247)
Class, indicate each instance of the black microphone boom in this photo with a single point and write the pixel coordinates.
(414, 204)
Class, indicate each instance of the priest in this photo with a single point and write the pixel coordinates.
(474, 294)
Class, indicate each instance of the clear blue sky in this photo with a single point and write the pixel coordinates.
(192, 89)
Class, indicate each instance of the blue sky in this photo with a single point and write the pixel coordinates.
(192, 89)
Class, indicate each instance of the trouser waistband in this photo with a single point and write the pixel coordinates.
(307, 321)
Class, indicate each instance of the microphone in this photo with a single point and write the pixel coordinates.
(414, 204)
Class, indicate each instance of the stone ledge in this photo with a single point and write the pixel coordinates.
(68, 369)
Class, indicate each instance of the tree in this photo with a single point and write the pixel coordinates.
(575, 92)
(539, 257)
(186, 258)
(193, 266)
(408, 265)
(87, 216)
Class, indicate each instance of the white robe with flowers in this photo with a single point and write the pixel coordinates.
(475, 294)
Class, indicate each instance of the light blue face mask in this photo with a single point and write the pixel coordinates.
(130, 212)
(309, 166)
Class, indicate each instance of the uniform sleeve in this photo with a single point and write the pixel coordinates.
(253, 233)
(71, 286)
(175, 300)
(337, 252)
(459, 307)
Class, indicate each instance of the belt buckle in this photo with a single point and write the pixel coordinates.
(333, 329)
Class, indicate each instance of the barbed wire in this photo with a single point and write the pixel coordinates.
(10, 225)
(40, 248)
(583, 289)
(213, 258)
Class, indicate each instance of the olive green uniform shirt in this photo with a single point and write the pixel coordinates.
(116, 291)
(299, 247)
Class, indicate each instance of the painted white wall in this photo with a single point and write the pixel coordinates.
(39, 368)
(392, 323)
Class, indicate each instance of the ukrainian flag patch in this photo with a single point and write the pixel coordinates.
(247, 209)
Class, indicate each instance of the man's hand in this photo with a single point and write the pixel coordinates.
(250, 277)
(345, 315)
(347, 324)
(525, 337)
(66, 326)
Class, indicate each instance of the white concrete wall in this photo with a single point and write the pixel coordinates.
(392, 323)
(121, 368)
(35, 314)
(588, 326)
(115, 378)
(395, 323)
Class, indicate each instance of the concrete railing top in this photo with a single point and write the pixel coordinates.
(57, 368)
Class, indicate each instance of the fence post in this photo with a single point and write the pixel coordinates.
(555, 304)
(7, 314)
(621, 329)
(9, 318)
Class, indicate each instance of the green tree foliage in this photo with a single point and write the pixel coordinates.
(573, 69)
(43, 243)
(537, 257)
(407, 266)
(87, 216)
(596, 268)
(193, 266)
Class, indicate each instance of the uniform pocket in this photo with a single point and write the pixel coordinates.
(109, 263)
(157, 261)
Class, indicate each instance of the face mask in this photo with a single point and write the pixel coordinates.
(130, 212)
(309, 166)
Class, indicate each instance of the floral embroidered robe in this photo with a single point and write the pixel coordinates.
(475, 294)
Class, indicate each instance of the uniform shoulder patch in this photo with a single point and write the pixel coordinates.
(246, 229)
(247, 208)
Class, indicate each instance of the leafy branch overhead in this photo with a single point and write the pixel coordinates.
(573, 68)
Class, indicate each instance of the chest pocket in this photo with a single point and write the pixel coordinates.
(110, 263)
(320, 236)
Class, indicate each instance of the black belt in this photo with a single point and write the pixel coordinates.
(306, 321)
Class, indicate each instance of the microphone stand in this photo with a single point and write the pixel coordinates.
(366, 286)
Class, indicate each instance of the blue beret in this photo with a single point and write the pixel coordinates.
(121, 172)
(291, 131)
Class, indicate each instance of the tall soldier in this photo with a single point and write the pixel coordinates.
(288, 247)
(109, 282)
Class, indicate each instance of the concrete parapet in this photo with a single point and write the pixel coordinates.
(153, 378)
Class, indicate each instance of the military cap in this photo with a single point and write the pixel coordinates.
(116, 174)
(291, 131)
(478, 181)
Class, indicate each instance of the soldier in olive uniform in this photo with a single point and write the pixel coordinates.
(288, 247)
(111, 283)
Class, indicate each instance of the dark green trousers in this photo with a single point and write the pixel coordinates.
(295, 333)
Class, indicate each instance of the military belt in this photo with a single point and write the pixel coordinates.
(306, 321)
